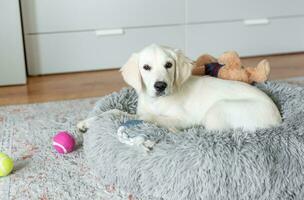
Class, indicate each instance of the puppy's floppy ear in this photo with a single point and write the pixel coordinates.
(183, 69)
(130, 73)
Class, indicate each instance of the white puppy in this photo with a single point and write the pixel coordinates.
(169, 96)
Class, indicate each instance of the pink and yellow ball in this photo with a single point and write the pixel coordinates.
(63, 142)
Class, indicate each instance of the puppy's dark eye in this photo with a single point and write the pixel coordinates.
(168, 65)
(147, 67)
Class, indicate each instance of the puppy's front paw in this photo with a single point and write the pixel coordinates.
(82, 126)
(115, 112)
(173, 129)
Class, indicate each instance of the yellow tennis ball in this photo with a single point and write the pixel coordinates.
(6, 164)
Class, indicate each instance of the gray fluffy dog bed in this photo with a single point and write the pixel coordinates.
(196, 164)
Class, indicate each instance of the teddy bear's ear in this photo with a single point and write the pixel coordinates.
(231, 59)
(262, 71)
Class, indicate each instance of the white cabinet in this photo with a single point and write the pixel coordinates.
(248, 40)
(249, 27)
(12, 66)
(44, 16)
(228, 10)
(79, 35)
(80, 51)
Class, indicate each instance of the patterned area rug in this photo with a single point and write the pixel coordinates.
(26, 133)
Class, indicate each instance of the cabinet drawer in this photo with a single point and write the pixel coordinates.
(221, 10)
(81, 51)
(73, 15)
(279, 36)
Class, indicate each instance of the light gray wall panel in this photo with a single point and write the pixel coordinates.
(12, 67)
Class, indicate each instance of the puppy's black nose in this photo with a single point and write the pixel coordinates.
(160, 86)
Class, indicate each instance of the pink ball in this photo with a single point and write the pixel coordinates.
(63, 142)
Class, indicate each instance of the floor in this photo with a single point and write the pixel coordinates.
(99, 83)
(62, 87)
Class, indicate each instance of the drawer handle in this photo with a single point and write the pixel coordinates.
(108, 32)
(251, 22)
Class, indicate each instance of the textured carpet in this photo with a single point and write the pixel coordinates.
(41, 173)
(195, 163)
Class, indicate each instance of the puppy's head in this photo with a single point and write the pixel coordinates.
(157, 70)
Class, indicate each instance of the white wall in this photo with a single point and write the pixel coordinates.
(12, 66)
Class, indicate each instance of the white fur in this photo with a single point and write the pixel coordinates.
(188, 100)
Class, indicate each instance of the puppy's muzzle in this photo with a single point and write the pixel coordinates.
(160, 86)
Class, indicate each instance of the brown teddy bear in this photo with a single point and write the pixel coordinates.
(228, 66)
